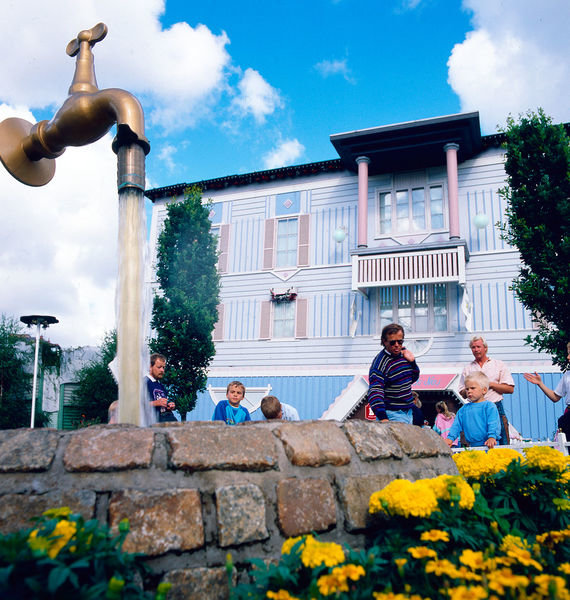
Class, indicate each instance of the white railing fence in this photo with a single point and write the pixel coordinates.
(561, 443)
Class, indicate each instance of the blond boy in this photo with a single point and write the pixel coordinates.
(479, 420)
(229, 410)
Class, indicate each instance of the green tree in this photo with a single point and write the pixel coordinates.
(16, 368)
(185, 308)
(97, 387)
(538, 224)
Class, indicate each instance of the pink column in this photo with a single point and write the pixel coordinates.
(452, 188)
(362, 162)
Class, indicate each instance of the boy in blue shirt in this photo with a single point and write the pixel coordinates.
(230, 410)
(479, 420)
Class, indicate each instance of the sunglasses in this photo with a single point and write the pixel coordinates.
(394, 342)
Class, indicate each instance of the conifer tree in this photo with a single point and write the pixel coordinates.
(185, 306)
(538, 224)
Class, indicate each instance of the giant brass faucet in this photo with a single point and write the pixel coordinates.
(29, 151)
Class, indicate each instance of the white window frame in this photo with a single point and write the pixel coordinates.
(292, 241)
(284, 312)
(409, 323)
(427, 213)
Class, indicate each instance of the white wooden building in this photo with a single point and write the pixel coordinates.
(400, 225)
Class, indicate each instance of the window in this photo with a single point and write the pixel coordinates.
(284, 319)
(287, 236)
(410, 210)
(418, 308)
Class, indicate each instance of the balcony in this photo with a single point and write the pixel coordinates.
(408, 265)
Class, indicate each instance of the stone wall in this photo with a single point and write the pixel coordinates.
(195, 491)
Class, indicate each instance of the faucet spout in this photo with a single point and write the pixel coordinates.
(86, 115)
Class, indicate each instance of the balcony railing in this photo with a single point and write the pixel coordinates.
(383, 267)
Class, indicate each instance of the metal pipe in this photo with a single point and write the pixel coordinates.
(35, 380)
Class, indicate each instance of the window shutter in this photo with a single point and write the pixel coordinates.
(224, 248)
(302, 318)
(269, 244)
(265, 320)
(303, 248)
(218, 333)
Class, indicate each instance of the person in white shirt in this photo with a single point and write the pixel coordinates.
(272, 408)
(562, 391)
(500, 380)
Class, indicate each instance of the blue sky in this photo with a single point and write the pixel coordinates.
(233, 87)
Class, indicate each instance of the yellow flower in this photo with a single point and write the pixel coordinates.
(481, 465)
(466, 574)
(510, 541)
(337, 581)
(53, 513)
(289, 543)
(453, 488)
(565, 568)
(561, 503)
(471, 559)
(392, 596)
(317, 553)
(441, 567)
(400, 564)
(462, 592)
(434, 535)
(422, 552)
(546, 458)
(551, 586)
(523, 557)
(504, 578)
(280, 595)
(55, 541)
(402, 497)
(38, 544)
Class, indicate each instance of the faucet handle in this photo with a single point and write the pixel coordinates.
(93, 35)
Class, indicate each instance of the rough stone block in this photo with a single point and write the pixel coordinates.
(314, 443)
(101, 448)
(417, 442)
(159, 521)
(355, 495)
(305, 505)
(27, 450)
(247, 448)
(372, 440)
(198, 584)
(17, 509)
(241, 514)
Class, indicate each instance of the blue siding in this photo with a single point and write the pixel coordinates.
(310, 395)
(530, 411)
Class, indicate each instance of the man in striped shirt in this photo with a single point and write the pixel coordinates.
(391, 376)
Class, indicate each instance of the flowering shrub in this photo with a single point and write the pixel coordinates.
(499, 531)
(64, 556)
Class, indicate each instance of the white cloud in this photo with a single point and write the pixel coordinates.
(335, 67)
(166, 155)
(59, 243)
(177, 72)
(286, 153)
(256, 96)
(516, 59)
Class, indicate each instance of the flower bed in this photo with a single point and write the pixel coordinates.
(499, 530)
(66, 557)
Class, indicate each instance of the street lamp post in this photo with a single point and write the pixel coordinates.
(40, 321)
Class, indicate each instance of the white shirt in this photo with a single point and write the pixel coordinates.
(289, 412)
(563, 387)
(495, 370)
